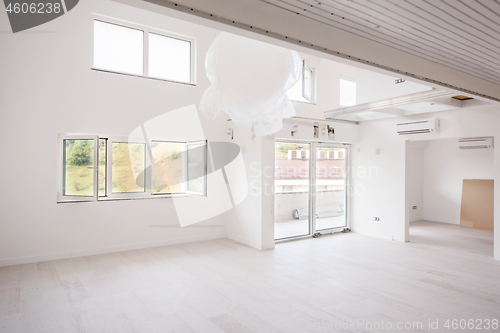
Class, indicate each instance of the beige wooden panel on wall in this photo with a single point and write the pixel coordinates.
(477, 204)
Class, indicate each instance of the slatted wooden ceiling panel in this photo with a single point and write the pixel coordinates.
(460, 34)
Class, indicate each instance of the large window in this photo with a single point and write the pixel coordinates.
(139, 50)
(78, 165)
(167, 167)
(97, 168)
(128, 164)
(102, 167)
(196, 167)
(78, 179)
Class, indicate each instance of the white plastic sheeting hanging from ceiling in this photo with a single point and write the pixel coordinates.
(249, 82)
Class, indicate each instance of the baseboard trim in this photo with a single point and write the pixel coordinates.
(437, 219)
(112, 249)
(244, 241)
(372, 234)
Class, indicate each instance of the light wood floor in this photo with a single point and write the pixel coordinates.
(311, 285)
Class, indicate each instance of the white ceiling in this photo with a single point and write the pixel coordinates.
(460, 34)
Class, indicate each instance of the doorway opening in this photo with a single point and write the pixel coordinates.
(450, 195)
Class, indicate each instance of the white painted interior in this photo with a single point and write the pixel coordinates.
(379, 181)
(252, 221)
(246, 226)
(116, 105)
(415, 182)
(462, 36)
(445, 168)
(58, 92)
(222, 286)
(388, 194)
(436, 170)
(405, 38)
(372, 86)
(49, 88)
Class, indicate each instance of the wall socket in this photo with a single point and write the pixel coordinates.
(414, 207)
(376, 218)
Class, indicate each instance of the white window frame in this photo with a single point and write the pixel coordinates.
(203, 193)
(146, 31)
(109, 195)
(61, 171)
(310, 73)
(109, 169)
(184, 166)
(307, 99)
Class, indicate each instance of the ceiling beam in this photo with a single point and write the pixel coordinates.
(266, 20)
(390, 102)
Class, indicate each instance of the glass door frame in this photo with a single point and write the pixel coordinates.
(347, 177)
(310, 204)
(312, 187)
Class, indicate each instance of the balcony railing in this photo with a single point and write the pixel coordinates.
(326, 201)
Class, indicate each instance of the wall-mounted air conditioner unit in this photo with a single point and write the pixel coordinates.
(475, 143)
(418, 127)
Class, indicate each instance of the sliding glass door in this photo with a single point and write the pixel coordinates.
(310, 189)
(292, 190)
(330, 182)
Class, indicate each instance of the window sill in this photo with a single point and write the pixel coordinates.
(141, 76)
(302, 102)
(162, 196)
(153, 196)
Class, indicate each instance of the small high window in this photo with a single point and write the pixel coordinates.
(118, 48)
(303, 90)
(347, 93)
(169, 58)
(142, 51)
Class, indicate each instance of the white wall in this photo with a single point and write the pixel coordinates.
(378, 181)
(372, 86)
(47, 88)
(472, 122)
(56, 91)
(445, 168)
(245, 220)
(252, 221)
(415, 182)
(386, 195)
